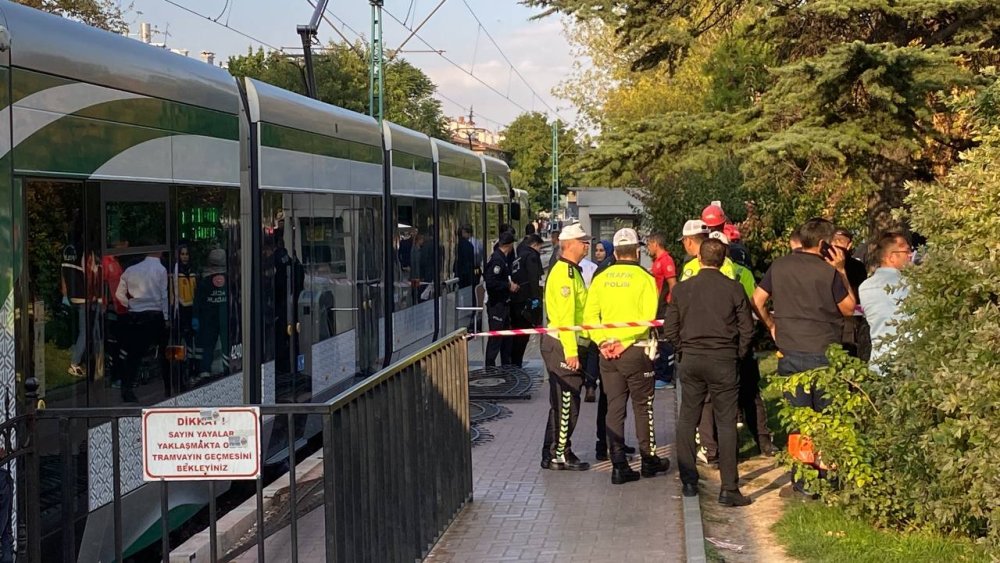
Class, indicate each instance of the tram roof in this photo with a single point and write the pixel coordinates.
(55, 45)
(399, 138)
(459, 156)
(273, 105)
(496, 168)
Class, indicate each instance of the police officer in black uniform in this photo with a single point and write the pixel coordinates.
(499, 288)
(526, 303)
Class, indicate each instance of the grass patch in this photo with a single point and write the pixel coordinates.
(814, 532)
(712, 555)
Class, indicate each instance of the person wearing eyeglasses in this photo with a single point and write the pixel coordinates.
(882, 294)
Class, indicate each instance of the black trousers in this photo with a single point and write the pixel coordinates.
(750, 404)
(564, 399)
(701, 375)
(629, 376)
(499, 314)
(522, 316)
(142, 331)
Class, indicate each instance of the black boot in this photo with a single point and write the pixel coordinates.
(601, 451)
(734, 498)
(651, 465)
(574, 463)
(622, 473)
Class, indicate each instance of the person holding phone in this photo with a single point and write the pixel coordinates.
(811, 296)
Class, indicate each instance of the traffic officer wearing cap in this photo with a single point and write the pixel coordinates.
(624, 292)
(565, 296)
(499, 288)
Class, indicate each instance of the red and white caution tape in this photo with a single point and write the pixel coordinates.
(576, 328)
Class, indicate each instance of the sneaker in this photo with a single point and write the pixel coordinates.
(76, 370)
(794, 492)
(766, 446)
(661, 385)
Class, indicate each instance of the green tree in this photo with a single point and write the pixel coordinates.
(528, 140)
(842, 104)
(914, 448)
(342, 80)
(104, 14)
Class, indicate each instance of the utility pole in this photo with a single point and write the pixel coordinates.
(555, 168)
(308, 33)
(376, 90)
(472, 129)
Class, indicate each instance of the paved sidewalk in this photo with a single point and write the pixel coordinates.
(521, 512)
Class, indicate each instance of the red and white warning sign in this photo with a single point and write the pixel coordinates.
(181, 444)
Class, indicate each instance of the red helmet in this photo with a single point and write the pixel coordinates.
(713, 216)
(731, 232)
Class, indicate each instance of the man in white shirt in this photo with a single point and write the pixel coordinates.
(882, 293)
(143, 290)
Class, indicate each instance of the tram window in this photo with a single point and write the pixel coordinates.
(449, 232)
(204, 274)
(60, 267)
(140, 223)
(493, 220)
(330, 272)
(414, 246)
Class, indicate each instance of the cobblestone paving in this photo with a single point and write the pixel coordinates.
(521, 512)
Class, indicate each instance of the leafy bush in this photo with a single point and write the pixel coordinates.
(923, 454)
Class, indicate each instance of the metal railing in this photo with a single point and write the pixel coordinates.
(396, 459)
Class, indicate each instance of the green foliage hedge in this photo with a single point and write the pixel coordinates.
(920, 447)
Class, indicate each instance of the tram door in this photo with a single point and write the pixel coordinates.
(368, 260)
(290, 309)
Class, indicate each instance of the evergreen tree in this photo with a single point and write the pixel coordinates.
(833, 106)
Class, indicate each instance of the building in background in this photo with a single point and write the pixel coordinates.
(465, 133)
(147, 31)
(602, 211)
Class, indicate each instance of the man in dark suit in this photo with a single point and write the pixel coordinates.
(709, 323)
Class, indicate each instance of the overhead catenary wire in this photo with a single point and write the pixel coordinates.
(225, 25)
(465, 108)
(458, 66)
(346, 40)
(506, 58)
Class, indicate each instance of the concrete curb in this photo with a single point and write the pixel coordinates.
(237, 522)
(694, 534)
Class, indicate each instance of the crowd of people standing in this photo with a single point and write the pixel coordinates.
(816, 296)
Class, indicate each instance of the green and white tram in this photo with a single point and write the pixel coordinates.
(326, 244)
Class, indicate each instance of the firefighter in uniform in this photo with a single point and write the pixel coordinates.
(498, 290)
(565, 296)
(624, 292)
